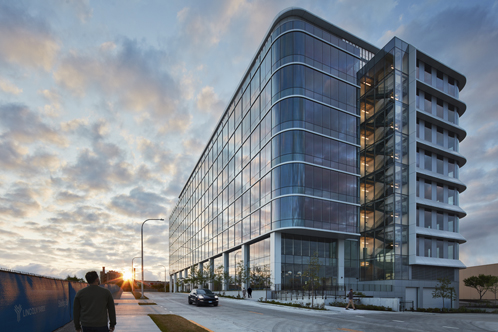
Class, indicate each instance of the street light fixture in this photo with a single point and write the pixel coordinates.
(164, 278)
(142, 241)
(133, 273)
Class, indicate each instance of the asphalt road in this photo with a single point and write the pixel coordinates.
(250, 315)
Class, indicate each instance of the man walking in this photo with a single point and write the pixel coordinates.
(350, 297)
(93, 307)
(249, 292)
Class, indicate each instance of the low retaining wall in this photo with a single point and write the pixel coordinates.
(37, 304)
(392, 303)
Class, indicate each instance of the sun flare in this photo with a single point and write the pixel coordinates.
(127, 276)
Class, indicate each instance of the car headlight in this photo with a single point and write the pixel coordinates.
(216, 297)
(201, 297)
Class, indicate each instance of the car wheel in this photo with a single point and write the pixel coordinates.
(189, 302)
(216, 304)
(197, 303)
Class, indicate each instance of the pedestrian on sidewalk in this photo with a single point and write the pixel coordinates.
(350, 297)
(94, 307)
(249, 292)
(244, 292)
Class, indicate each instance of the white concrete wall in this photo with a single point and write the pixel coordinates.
(392, 303)
(256, 294)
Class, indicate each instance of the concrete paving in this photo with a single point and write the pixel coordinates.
(251, 316)
(130, 316)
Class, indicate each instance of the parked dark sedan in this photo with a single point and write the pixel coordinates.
(202, 296)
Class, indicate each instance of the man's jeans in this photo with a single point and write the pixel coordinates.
(95, 329)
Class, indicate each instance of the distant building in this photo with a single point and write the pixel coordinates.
(468, 293)
(154, 283)
(110, 277)
(332, 146)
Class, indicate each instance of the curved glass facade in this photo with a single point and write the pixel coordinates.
(283, 155)
(327, 148)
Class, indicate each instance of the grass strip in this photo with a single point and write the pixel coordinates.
(175, 323)
(147, 303)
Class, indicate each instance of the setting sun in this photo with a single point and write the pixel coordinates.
(127, 276)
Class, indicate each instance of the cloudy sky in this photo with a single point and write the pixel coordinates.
(105, 107)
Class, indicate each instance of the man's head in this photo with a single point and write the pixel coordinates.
(351, 289)
(91, 277)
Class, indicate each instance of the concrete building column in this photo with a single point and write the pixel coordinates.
(225, 270)
(276, 259)
(412, 153)
(340, 262)
(200, 269)
(245, 263)
(211, 273)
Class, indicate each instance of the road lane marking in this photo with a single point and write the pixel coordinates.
(349, 330)
(202, 326)
(256, 312)
(450, 327)
(399, 321)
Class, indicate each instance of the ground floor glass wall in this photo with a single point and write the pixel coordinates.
(296, 253)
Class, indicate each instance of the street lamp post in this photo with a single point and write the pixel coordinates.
(133, 274)
(142, 241)
(164, 278)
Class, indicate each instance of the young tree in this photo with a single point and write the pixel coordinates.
(481, 283)
(227, 279)
(195, 276)
(242, 274)
(312, 273)
(179, 283)
(209, 274)
(443, 290)
(494, 289)
(218, 277)
(202, 276)
(75, 278)
(266, 276)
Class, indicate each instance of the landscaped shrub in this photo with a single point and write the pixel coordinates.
(446, 310)
(296, 305)
(363, 306)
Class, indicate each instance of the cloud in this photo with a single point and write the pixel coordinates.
(134, 75)
(16, 159)
(26, 126)
(81, 8)
(96, 172)
(156, 154)
(25, 40)
(208, 101)
(139, 203)
(480, 229)
(67, 197)
(53, 99)
(19, 201)
(83, 215)
(9, 88)
(199, 26)
(107, 46)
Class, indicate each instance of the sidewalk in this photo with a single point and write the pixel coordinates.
(130, 316)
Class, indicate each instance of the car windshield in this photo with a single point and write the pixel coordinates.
(204, 291)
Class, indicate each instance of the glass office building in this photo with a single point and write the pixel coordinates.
(323, 150)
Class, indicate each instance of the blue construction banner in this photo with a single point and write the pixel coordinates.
(32, 304)
(74, 287)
